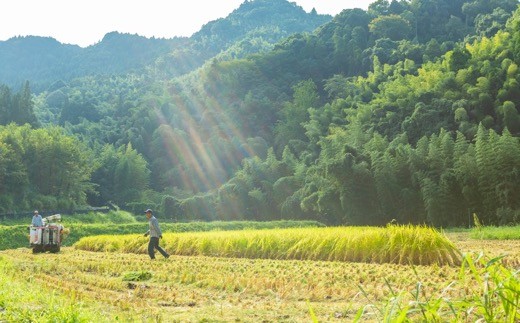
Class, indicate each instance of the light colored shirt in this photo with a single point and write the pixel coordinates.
(154, 228)
(37, 221)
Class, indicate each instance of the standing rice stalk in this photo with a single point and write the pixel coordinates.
(419, 245)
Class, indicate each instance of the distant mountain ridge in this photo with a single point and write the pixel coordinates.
(44, 60)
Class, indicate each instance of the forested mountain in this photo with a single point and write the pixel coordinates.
(406, 111)
(255, 26)
(43, 60)
(252, 28)
(40, 58)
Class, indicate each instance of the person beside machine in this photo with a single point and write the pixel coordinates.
(37, 220)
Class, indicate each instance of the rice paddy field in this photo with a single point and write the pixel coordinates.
(394, 274)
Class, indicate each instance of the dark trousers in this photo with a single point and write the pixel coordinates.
(154, 243)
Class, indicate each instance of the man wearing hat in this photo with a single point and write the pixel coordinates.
(155, 234)
(37, 220)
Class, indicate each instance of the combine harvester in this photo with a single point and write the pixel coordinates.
(48, 237)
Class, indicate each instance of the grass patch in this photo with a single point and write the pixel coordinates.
(393, 244)
(112, 217)
(496, 233)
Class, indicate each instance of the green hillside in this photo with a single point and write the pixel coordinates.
(408, 111)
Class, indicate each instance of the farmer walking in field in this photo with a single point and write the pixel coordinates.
(155, 234)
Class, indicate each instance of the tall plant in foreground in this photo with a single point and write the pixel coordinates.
(496, 298)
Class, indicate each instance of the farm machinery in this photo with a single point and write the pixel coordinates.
(47, 237)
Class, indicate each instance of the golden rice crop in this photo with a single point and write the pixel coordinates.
(128, 287)
(419, 245)
(187, 289)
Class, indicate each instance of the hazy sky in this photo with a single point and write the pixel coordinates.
(84, 23)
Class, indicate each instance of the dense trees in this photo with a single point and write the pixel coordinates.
(441, 180)
(42, 168)
(294, 114)
(407, 111)
(414, 145)
(44, 60)
(122, 176)
(18, 107)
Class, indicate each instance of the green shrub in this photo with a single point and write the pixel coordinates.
(137, 276)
